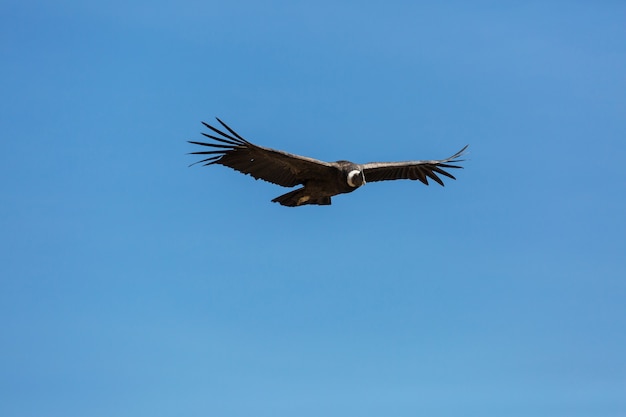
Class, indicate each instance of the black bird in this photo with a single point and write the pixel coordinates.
(321, 180)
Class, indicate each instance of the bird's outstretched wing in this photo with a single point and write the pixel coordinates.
(412, 170)
(271, 165)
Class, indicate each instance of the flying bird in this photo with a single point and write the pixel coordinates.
(320, 180)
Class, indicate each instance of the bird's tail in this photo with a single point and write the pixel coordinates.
(300, 197)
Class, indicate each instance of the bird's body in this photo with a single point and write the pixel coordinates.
(320, 190)
(320, 180)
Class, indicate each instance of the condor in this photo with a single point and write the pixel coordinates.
(320, 180)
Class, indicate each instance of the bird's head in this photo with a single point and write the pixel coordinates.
(356, 178)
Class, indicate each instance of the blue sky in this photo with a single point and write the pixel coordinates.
(132, 285)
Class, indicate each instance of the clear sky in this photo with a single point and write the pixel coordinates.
(132, 285)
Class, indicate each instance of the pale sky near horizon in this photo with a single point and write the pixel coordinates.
(131, 284)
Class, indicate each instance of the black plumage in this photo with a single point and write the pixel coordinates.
(320, 180)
